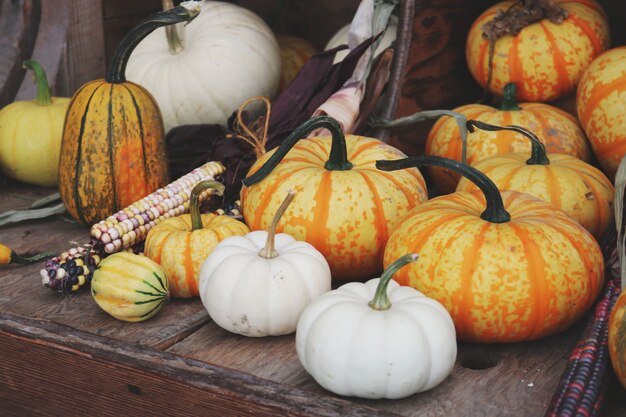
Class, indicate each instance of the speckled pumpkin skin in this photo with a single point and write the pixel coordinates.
(521, 280)
(181, 251)
(545, 60)
(617, 338)
(294, 53)
(600, 102)
(346, 215)
(577, 188)
(557, 129)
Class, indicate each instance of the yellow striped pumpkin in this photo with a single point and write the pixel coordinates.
(579, 189)
(129, 287)
(507, 266)
(617, 338)
(600, 104)
(560, 131)
(181, 244)
(546, 60)
(113, 147)
(345, 207)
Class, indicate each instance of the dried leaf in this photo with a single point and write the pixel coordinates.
(620, 186)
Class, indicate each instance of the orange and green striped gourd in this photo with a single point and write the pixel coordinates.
(560, 131)
(181, 244)
(113, 146)
(617, 338)
(600, 102)
(506, 265)
(545, 59)
(579, 189)
(345, 208)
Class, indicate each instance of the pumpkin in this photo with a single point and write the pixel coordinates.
(617, 338)
(346, 208)
(341, 38)
(113, 148)
(559, 130)
(294, 53)
(258, 284)
(129, 287)
(519, 270)
(600, 105)
(577, 188)
(181, 244)
(376, 339)
(204, 70)
(30, 134)
(545, 59)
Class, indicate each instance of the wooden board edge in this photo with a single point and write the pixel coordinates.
(222, 389)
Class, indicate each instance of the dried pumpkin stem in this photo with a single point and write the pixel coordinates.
(269, 250)
(186, 12)
(194, 204)
(509, 98)
(44, 97)
(381, 299)
(538, 155)
(8, 256)
(174, 41)
(337, 160)
(494, 212)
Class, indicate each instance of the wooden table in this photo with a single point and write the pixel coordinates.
(60, 354)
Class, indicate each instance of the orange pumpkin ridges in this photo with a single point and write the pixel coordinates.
(617, 338)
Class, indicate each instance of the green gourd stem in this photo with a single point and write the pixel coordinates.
(44, 98)
(25, 260)
(269, 250)
(381, 299)
(337, 160)
(117, 68)
(509, 98)
(494, 212)
(194, 204)
(459, 118)
(172, 34)
(538, 154)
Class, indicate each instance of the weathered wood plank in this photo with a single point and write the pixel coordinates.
(63, 370)
(488, 380)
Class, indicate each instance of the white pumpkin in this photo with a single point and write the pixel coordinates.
(341, 38)
(399, 343)
(228, 55)
(258, 284)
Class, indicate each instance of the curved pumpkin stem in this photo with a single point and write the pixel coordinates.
(381, 299)
(8, 256)
(186, 12)
(538, 156)
(194, 205)
(509, 98)
(495, 211)
(44, 97)
(174, 42)
(269, 251)
(337, 160)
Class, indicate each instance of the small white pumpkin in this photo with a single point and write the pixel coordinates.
(258, 284)
(207, 68)
(399, 343)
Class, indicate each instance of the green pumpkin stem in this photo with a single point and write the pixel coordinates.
(269, 250)
(509, 98)
(194, 204)
(174, 42)
(117, 68)
(538, 154)
(494, 212)
(381, 299)
(44, 97)
(337, 160)
(25, 260)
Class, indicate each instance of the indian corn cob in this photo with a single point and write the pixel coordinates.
(127, 229)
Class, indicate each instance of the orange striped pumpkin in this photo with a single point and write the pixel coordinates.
(507, 266)
(182, 244)
(294, 53)
(579, 189)
(600, 104)
(546, 60)
(617, 338)
(113, 146)
(559, 130)
(345, 207)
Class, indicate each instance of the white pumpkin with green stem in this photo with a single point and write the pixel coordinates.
(377, 339)
(258, 284)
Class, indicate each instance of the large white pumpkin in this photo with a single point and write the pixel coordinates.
(229, 55)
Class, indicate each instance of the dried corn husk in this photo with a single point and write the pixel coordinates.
(620, 185)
